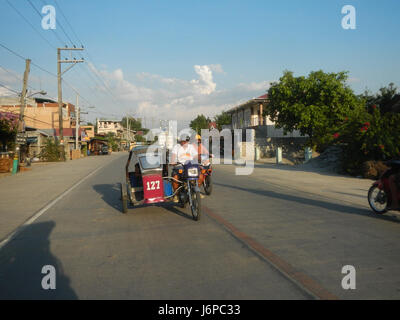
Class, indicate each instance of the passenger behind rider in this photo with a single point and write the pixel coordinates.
(182, 152)
(203, 156)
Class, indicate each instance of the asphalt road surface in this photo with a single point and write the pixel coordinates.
(255, 240)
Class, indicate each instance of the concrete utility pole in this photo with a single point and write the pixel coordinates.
(59, 74)
(77, 116)
(21, 125)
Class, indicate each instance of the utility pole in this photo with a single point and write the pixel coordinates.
(21, 124)
(59, 74)
(77, 117)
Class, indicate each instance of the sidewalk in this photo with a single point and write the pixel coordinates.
(309, 179)
(25, 193)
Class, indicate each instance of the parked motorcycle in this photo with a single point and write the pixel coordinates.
(380, 195)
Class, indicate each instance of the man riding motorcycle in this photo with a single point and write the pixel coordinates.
(182, 152)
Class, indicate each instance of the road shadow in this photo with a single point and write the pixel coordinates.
(110, 193)
(313, 202)
(21, 263)
(171, 207)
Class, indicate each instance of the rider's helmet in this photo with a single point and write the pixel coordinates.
(183, 137)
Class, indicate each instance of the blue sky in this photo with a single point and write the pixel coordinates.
(147, 51)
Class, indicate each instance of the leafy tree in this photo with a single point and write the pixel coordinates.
(200, 122)
(134, 124)
(112, 141)
(385, 99)
(52, 151)
(371, 134)
(8, 129)
(315, 105)
(221, 119)
(140, 138)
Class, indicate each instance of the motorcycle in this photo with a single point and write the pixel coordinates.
(189, 191)
(379, 194)
(206, 170)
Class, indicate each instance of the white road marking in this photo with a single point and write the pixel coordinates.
(44, 209)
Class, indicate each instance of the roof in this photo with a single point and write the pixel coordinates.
(262, 98)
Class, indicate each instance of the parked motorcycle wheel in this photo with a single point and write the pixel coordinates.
(196, 206)
(207, 184)
(378, 200)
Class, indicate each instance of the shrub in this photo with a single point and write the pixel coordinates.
(8, 129)
(370, 136)
(373, 169)
(52, 151)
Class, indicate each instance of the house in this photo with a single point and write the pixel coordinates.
(105, 126)
(250, 115)
(41, 119)
(40, 113)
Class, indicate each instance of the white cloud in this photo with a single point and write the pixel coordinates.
(152, 95)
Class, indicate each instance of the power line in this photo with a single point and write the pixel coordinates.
(41, 68)
(9, 89)
(30, 24)
(55, 33)
(65, 18)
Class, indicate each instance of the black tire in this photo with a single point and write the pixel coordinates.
(196, 205)
(373, 201)
(124, 199)
(207, 184)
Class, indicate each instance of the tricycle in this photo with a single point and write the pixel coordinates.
(148, 181)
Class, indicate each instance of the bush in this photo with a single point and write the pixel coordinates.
(370, 136)
(52, 151)
(8, 130)
(373, 169)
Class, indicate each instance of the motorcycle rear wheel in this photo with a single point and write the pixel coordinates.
(207, 184)
(378, 200)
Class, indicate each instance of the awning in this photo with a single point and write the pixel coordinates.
(30, 140)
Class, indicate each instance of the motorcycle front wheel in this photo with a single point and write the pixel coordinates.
(196, 205)
(378, 200)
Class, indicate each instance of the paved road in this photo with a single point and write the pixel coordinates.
(255, 241)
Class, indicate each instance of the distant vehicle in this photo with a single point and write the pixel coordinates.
(104, 150)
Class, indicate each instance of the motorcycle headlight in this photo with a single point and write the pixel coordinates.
(193, 172)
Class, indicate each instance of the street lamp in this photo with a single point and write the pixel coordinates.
(43, 93)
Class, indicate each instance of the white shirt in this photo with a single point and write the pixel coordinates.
(184, 153)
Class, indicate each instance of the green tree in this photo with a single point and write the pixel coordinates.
(385, 100)
(134, 124)
(200, 122)
(8, 129)
(221, 119)
(52, 151)
(371, 134)
(315, 105)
